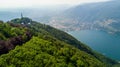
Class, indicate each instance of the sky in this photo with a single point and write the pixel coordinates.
(34, 3)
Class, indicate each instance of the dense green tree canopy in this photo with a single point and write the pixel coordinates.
(39, 53)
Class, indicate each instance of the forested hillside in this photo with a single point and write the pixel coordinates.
(27, 43)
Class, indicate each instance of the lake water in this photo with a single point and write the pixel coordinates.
(103, 42)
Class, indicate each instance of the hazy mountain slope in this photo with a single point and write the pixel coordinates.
(95, 11)
(102, 16)
(46, 43)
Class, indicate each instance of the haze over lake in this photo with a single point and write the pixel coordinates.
(107, 44)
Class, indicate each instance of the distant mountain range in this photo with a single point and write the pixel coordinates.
(43, 13)
(99, 16)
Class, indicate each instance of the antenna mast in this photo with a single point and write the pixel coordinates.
(21, 15)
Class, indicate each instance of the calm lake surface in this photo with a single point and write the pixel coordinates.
(103, 42)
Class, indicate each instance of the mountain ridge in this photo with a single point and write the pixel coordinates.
(47, 37)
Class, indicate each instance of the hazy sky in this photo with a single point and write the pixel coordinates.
(32, 3)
